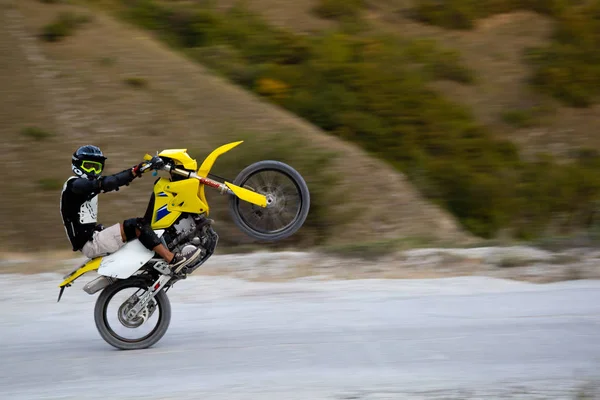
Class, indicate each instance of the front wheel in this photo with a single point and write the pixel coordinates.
(117, 330)
(287, 196)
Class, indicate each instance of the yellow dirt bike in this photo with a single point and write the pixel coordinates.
(268, 200)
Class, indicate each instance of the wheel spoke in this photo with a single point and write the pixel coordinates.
(279, 219)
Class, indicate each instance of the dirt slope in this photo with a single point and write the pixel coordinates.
(76, 88)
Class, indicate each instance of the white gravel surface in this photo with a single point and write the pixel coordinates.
(229, 339)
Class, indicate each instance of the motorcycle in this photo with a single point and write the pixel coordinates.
(262, 197)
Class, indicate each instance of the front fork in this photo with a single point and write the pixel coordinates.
(149, 295)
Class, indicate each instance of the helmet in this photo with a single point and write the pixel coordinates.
(88, 162)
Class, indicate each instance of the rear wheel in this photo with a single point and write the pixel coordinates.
(117, 330)
(288, 201)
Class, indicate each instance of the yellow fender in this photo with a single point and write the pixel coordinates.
(248, 195)
(91, 265)
(209, 161)
(244, 194)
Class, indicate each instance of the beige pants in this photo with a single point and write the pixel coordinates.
(104, 242)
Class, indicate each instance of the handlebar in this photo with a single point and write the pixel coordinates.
(190, 174)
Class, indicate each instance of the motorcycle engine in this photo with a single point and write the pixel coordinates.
(191, 229)
(185, 226)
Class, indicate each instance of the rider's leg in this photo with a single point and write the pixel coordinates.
(160, 249)
(104, 242)
(138, 228)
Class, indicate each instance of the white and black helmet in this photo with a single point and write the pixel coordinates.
(88, 162)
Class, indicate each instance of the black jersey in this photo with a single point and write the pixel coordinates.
(79, 204)
(79, 213)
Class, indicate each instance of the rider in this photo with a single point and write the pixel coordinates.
(79, 208)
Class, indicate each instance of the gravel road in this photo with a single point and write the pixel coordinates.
(469, 337)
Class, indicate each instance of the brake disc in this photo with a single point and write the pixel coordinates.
(139, 319)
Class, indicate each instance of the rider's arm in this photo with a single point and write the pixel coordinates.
(84, 186)
(114, 182)
(106, 183)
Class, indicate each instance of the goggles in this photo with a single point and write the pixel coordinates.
(89, 166)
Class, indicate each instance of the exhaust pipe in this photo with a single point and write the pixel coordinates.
(97, 284)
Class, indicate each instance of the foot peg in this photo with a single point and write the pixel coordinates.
(163, 268)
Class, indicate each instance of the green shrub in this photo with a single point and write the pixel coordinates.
(462, 14)
(354, 24)
(439, 63)
(64, 25)
(373, 91)
(49, 184)
(258, 42)
(56, 31)
(338, 9)
(107, 61)
(569, 67)
(36, 133)
(136, 81)
(453, 14)
(228, 61)
(525, 117)
(452, 70)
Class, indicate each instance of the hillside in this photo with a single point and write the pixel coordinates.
(489, 108)
(115, 86)
(494, 49)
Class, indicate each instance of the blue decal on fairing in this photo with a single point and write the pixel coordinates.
(162, 194)
(161, 213)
